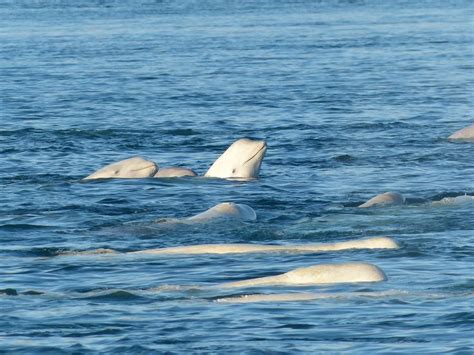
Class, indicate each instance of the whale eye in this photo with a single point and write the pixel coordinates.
(233, 171)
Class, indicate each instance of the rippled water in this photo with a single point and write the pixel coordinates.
(354, 98)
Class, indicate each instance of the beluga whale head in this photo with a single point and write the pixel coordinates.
(242, 160)
(132, 168)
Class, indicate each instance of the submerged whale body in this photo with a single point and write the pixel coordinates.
(132, 168)
(307, 296)
(387, 198)
(465, 133)
(370, 243)
(225, 211)
(174, 172)
(318, 274)
(242, 160)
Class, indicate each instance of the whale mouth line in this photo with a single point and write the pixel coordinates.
(264, 146)
(146, 167)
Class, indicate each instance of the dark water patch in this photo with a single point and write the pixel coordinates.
(296, 326)
(47, 179)
(113, 201)
(465, 285)
(14, 292)
(8, 292)
(66, 269)
(136, 349)
(18, 349)
(86, 333)
(180, 132)
(19, 227)
(116, 296)
(32, 293)
(345, 158)
(44, 252)
(458, 319)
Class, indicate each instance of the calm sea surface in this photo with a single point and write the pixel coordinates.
(354, 98)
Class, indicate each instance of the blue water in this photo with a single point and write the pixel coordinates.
(354, 98)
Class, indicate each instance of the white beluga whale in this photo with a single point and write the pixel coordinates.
(225, 211)
(465, 133)
(174, 172)
(132, 168)
(387, 198)
(370, 243)
(316, 275)
(242, 160)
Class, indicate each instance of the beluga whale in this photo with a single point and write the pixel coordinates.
(174, 171)
(465, 133)
(132, 168)
(242, 160)
(371, 243)
(385, 199)
(316, 275)
(241, 248)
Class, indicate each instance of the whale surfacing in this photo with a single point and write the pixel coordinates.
(316, 275)
(226, 210)
(387, 198)
(242, 160)
(370, 243)
(465, 133)
(458, 200)
(174, 172)
(132, 168)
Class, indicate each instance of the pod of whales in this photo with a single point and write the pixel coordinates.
(132, 168)
(387, 198)
(242, 160)
(465, 133)
(370, 243)
(315, 275)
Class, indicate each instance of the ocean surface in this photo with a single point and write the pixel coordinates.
(354, 98)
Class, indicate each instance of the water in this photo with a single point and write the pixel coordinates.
(353, 97)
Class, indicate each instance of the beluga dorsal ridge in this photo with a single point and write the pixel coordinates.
(242, 160)
(174, 172)
(229, 248)
(226, 211)
(132, 168)
(385, 199)
(465, 133)
(317, 274)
